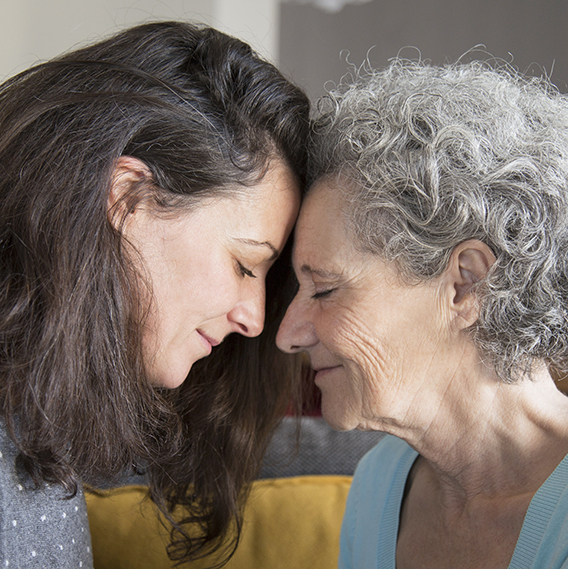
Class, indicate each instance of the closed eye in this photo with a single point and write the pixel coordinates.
(323, 293)
(246, 272)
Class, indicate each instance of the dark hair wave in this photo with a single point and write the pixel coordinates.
(205, 114)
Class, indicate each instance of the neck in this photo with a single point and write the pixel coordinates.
(486, 437)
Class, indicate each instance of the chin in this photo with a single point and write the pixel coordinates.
(336, 416)
(170, 379)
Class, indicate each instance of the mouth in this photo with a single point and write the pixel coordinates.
(318, 369)
(209, 342)
(321, 372)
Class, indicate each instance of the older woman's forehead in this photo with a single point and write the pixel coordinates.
(321, 211)
(321, 235)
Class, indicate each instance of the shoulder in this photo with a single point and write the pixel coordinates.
(386, 460)
(40, 526)
(376, 473)
(384, 468)
(371, 516)
(543, 543)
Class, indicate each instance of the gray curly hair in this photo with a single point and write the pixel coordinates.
(439, 155)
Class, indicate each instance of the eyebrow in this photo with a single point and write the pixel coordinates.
(319, 272)
(255, 243)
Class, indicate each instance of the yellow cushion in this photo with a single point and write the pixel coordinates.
(290, 523)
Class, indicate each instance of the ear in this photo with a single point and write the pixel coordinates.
(469, 263)
(128, 175)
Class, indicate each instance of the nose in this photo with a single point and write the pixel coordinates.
(297, 332)
(247, 316)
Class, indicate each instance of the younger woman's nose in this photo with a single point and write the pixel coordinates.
(247, 316)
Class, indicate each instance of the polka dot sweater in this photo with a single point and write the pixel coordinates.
(39, 527)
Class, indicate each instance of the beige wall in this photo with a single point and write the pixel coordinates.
(314, 44)
(32, 30)
(308, 43)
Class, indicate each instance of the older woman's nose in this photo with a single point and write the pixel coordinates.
(296, 332)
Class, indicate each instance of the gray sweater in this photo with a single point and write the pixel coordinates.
(39, 527)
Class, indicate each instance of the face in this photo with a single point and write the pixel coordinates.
(373, 340)
(207, 270)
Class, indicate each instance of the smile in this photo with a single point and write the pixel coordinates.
(324, 371)
(209, 342)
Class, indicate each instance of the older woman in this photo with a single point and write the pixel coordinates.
(148, 183)
(433, 303)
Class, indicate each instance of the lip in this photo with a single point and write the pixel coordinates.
(208, 341)
(323, 371)
(317, 369)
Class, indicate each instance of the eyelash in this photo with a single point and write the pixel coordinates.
(245, 272)
(322, 294)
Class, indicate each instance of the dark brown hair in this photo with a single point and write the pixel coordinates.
(205, 114)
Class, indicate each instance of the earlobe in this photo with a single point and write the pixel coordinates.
(469, 263)
(128, 176)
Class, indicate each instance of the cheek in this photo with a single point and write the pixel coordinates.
(353, 339)
(203, 291)
(375, 364)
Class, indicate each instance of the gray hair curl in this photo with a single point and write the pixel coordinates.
(440, 155)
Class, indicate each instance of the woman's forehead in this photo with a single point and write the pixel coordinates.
(321, 235)
(321, 211)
